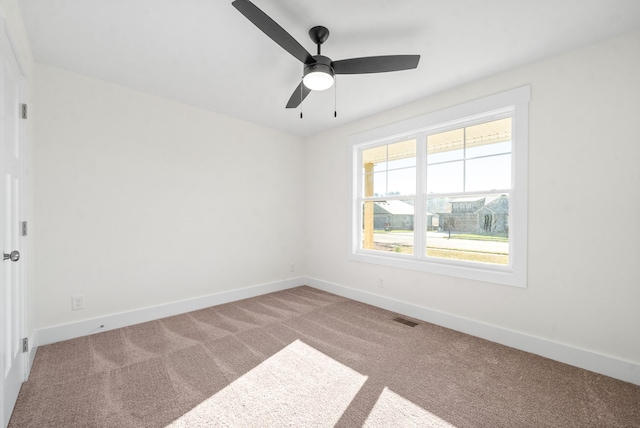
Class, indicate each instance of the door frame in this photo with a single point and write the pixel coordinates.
(10, 50)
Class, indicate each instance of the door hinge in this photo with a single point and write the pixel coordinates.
(25, 344)
(24, 228)
(23, 111)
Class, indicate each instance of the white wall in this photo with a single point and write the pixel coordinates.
(141, 201)
(584, 207)
(10, 11)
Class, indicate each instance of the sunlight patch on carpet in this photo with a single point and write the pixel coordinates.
(393, 410)
(298, 386)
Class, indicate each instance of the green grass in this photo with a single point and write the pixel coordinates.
(480, 237)
(473, 256)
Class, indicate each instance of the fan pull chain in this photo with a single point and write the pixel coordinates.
(335, 97)
(300, 99)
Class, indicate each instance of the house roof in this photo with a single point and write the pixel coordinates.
(499, 205)
(394, 207)
(495, 204)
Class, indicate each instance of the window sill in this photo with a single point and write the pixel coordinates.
(484, 273)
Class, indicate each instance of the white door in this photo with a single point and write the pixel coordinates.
(11, 216)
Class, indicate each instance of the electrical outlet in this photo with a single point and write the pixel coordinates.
(380, 283)
(77, 302)
(292, 267)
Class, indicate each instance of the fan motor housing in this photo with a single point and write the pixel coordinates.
(322, 65)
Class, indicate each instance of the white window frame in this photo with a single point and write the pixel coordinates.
(514, 103)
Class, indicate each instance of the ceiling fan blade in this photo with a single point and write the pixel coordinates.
(298, 96)
(375, 64)
(273, 30)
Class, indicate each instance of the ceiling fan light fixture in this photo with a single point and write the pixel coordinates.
(319, 75)
(318, 81)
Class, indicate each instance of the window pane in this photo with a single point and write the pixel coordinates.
(445, 146)
(402, 182)
(472, 229)
(401, 163)
(379, 184)
(381, 166)
(445, 178)
(489, 149)
(374, 184)
(490, 173)
(488, 133)
(374, 156)
(367, 172)
(388, 226)
(390, 169)
(404, 151)
(367, 225)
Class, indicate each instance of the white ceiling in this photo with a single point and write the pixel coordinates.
(205, 53)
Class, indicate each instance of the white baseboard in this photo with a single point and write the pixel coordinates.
(59, 333)
(609, 366)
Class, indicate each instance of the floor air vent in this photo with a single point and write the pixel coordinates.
(405, 322)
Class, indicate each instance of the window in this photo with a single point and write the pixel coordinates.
(389, 192)
(446, 192)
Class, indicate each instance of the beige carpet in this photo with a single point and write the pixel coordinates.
(298, 386)
(303, 357)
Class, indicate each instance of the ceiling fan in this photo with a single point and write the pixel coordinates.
(319, 71)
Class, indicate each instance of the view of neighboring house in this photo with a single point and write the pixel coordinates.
(476, 216)
(485, 215)
(393, 214)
